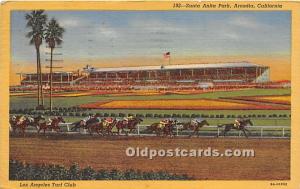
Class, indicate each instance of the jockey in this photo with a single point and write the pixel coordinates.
(237, 123)
(107, 121)
(98, 119)
(21, 119)
(196, 121)
(164, 122)
(31, 119)
(128, 118)
(50, 121)
(13, 118)
(86, 118)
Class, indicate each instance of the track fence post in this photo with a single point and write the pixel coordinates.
(176, 130)
(283, 132)
(218, 131)
(138, 130)
(261, 132)
(68, 127)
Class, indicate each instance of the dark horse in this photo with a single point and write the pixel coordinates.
(130, 124)
(53, 125)
(190, 126)
(79, 124)
(34, 121)
(167, 129)
(243, 124)
(85, 123)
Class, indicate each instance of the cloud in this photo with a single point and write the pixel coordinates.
(245, 22)
(230, 35)
(71, 22)
(106, 32)
(157, 26)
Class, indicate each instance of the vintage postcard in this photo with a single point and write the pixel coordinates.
(150, 94)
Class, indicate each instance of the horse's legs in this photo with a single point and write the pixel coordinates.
(109, 132)
(225, 131)
(97, 131)
(195, 131)
(14, 129)
(249, 132)
(23, 131)
(90, 130)
(157, 131)
(245, 133)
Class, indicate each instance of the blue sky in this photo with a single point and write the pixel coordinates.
(118, 34)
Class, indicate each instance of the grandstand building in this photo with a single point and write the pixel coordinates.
(187, 75)
(58, 78)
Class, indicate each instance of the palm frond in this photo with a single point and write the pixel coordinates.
(36, 21)
(31, 42)
(54, 32)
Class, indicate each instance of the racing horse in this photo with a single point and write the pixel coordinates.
(102, 127)
(130, 124)
(22, 122)
(30, 121)
(169, 128)
(85, 123)
(19, 122)
(241, 127)
(34, 121)
(166, 129)
(194, 125)
(53, 125)
(79, 124)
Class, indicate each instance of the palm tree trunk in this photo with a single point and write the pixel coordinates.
(51, 79)
(41, 81)
(38, 77)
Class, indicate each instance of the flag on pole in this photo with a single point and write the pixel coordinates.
(167, 55)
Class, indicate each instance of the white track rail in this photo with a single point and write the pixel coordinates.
(206, 131)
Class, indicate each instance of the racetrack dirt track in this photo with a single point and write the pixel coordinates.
(271, 161)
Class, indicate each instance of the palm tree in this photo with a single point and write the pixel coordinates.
(36, 21)
(53, 36)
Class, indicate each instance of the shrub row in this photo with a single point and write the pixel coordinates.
(148, 115)
(22, 171)
(56, 109)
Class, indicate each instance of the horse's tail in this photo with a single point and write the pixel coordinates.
(220, 125)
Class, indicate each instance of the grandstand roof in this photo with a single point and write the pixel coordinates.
(56, 72)
(174, 67)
